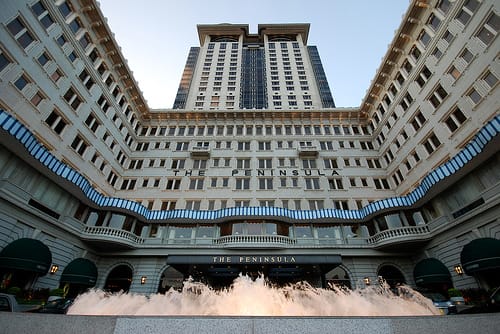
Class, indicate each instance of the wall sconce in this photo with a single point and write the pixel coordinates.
(54, 269)
(458, 269)
(366, 280)
(143, 279)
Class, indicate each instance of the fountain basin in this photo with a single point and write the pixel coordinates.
(15, 323)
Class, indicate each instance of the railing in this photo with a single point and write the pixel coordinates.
(418, 232)
(255, 240)
(200, 151)
(109, 232)
(308, 150)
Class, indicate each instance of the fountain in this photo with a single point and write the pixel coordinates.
(247, 297)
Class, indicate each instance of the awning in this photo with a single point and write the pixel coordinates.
(26, 254)
(480, 254)
(80, 271)
(431, 271)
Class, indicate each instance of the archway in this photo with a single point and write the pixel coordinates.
(119, 279)
(391, 275)
(78, 276)
(170, 279)
(338, 277)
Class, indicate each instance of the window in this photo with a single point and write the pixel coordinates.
(335, 183)
(75, 25)
(56, 122)
(455, 119)
(466, 55)
(423, 76)
(72, 98)
(418, 121)
(173, 184)
(424, 38)
(467, 10)
(265, 163)
(21, 82)
(434, 22)
(312, 183)
(4, 60)
(265, 183)
(264, 146)
(79, 145)
(182, 146)
(316, 204)
(381, 184)
(454, 72)
(244, 146)
(199, 164)
(490, 79)
(326, 145)
(19, 31)
(438, 96)
(56, 75)
(330, 163)
(474, 96)
(86, 79)
(196, 184)
(37, 98)
(490, 29)
(178, 164)
(309, 163)
(431, 143)
(42, 14)
(65, 9)
(242, 183)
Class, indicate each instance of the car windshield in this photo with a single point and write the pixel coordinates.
(436, 297)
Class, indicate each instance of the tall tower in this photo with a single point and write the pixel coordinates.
(273, 69)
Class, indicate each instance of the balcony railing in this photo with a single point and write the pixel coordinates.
(111, 234)
(250, 241)
(407, 233)
(200, 151)
(308, 151)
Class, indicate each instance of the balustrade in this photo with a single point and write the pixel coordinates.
(103, 231)
(407, 231)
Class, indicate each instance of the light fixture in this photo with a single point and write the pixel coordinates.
(143, 279)
(54, 269)
(458, 269)
(366, 280)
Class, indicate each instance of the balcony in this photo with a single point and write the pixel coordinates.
(254, 241)
(308, 151)
(200, 152)
(402, 235)
(98, 234)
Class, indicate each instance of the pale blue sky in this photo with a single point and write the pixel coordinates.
(351, 36)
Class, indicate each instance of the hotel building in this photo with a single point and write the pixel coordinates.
(254, 170)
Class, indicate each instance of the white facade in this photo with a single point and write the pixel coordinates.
(382, 185)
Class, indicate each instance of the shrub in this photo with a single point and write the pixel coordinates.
(16, 291)
(454, 293)
(57, 292)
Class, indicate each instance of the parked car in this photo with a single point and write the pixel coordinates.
(56, 306)
(490, 306)
(8, 303)
(444, 305)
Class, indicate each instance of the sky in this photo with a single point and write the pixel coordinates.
(352, 37)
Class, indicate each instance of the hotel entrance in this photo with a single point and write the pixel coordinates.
(221, 270)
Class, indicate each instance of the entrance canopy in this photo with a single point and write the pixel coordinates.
(26, 254)
(80, 271)
(480, 255)
(431, 271)
(282, 267)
